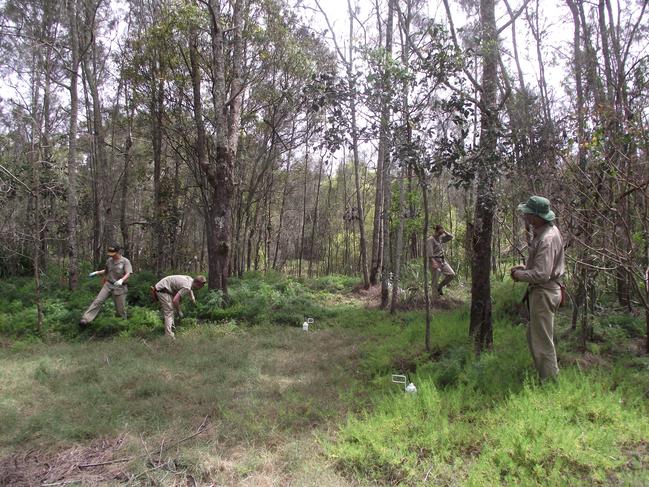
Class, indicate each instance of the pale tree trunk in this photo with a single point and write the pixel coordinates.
(314, 225)
(387, 193)
(377, 229)
(359, 196)
(283, 204)
(103, 179)
(73, 203)
(535, 29)
(330, 232)
(405, 29)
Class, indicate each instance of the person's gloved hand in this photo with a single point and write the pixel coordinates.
(119, 282)
(93, 274)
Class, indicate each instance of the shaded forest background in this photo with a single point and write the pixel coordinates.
(230, 136)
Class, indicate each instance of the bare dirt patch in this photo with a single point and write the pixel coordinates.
(586, 361)
(409, 299)
(87, 465)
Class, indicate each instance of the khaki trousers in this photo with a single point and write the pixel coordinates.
(167, 306)
(119, 298)
(543, 304)
(444, 269)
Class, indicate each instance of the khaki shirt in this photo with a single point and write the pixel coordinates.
(116, 269)
(434, 246)
(545, 262)
(176, 284)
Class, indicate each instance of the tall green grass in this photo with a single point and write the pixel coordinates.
(487, 420)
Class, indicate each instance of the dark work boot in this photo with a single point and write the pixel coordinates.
(440, 290)
(83, 324)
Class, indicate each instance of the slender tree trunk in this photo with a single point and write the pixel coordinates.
(157, 115)
(314, 226)
(128, 143)
(399, 249)
(359, 195)
(424, 194)
(90, 65)
(387, 182)
(304, 201)
(34, 159)
(73, 204)
(283, 205)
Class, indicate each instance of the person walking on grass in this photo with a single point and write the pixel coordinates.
(169, 291)
(543, 272)
(117, 271)
(436, 257)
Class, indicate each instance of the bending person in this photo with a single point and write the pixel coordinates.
(117, 271)
(169, 291)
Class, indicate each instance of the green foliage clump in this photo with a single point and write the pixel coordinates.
(257, 301)
(139, 285)
(333, 283)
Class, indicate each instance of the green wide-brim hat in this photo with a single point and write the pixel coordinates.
(539, 206)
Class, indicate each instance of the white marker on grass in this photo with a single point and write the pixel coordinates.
(402, 379)
(307, 322)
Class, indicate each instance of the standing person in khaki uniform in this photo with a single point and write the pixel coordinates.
(170, 290)
(436, 257)
(545, 266)
(117, 271)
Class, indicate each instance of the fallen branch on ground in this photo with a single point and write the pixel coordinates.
(200, 430)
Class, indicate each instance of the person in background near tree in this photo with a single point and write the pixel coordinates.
(436, 257)
(543, 272)
(117, 271)
(169, 290)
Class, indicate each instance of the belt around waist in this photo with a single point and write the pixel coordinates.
(546, 285)
(163, 291)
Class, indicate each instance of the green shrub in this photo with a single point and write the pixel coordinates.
(619, 325)
(139, 285)
(333, 283)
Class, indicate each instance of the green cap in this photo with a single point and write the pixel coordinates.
(539, 206)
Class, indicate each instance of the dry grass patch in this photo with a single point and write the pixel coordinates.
(268, 393)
